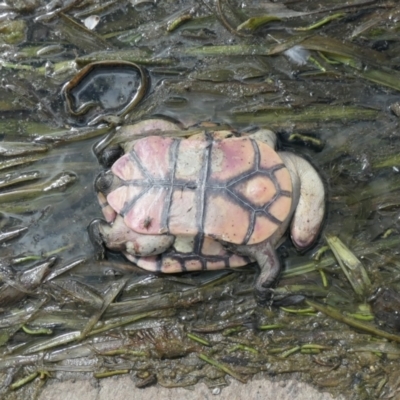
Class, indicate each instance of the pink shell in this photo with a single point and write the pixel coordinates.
(236, 190)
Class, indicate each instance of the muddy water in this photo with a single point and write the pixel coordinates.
(332, 104)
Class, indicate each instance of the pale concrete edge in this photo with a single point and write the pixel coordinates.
(122, 387)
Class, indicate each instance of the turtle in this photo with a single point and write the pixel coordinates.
(213, 200)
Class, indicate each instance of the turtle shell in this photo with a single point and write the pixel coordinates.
(236, 190)
(210, 256)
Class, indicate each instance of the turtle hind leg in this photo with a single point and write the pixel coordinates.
(267, 259)
(270, 269)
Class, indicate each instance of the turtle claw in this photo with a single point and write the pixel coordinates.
(96, 239)
(264, 296)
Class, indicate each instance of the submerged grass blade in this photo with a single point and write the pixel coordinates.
(270, 327)
(17, 361)
(243, 348)
(123, 321)
(110, 373)
(377, 347)
(351, 266)
(53, 274)
(178, 21)
(80, 36)
(309, 114)
(332, 46)
(298, 311)
(221, 367)
(198, 339)
(40, 331)
(76, 335)
(13, 233)
(390, 79)
(58, 183)
(58, 340)
(321, 22)
(14, 162)
(134, 55)
(35, 257)
(244, 49)
(24, 381)
(17, 178)
(291, 351)
(387, 161)
(109, 296)
(12, 149)
(71, 135)
(255, 22)
(337, 315)
(20, 317)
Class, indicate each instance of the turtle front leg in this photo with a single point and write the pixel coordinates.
(267, 259)
(310, 209)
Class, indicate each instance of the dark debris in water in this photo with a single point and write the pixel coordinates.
(324, 75)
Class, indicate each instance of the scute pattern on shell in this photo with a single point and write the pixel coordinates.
(240, 194)
(206, 254)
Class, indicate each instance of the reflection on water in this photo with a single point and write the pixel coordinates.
(109, 89)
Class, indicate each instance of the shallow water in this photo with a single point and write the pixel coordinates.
(337, 109)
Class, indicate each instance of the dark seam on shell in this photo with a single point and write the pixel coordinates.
(277, 167)
(183, 266)
(198, 247)
(272, 218)
(159, 263)
(226, 262)
(173, 150)
(252, 222)
(198, 243)
(129, 204)
(136, 160)
(201, 200)
(286, 193)
(193, 255)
